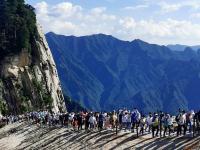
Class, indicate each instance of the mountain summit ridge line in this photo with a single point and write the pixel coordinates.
(102, 72)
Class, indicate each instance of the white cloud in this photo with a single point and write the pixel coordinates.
(194, 4)
(195, 15)
(128, 23)
(99, 13)
(136, 7)
(66, 9)
(165, 7)
(169, 31)
(98, 10)
(42, 8)
(69, 19)
(171, 7)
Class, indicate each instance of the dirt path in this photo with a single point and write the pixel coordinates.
(22, 136)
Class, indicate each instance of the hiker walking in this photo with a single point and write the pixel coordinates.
(142, 124)
(113, 119)
(149, 122)
(161, 116)
(66, 119)
(101, 121)
(155, 125)
(87, 117)
(168, 123)
(120, 119)
(92, 121)
(181, 121)
(80, 121)
(135, 118)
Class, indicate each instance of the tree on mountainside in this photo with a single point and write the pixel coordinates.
(17, 27)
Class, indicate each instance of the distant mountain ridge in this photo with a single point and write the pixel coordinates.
(105, 73)
(178, 47)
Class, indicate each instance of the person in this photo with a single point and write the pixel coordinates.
(161, 115)
(120, 119)
(46, 117)
(135, 117)
(87, 117)
(142, 124)
(113, 119)
(168, 123)
(57, 118)
(50, 119)
(181, 120)
(61, 119)
(66, 119)
(189, 118)
(79, 121)
(71, 117)
(7, 119)
(107, 120)
(128, 121)
(75, 122)
(124, 120)
(101, 121)
(149, 122)
(92, 121)
(196, 123)
(155, 125)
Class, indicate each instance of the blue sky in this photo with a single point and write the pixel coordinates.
(155, 21)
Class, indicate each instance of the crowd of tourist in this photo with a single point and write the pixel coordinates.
(10, 118)
(157, 124)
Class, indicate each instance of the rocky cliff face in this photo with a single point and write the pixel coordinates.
(29, 80)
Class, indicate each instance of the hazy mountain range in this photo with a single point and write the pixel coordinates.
(178, 47)
(102, 72)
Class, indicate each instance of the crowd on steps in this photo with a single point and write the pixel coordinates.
(158, 124)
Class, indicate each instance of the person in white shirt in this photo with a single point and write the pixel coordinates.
(128, 121)
(181, 120)
(92, 121)
(149, 122)
(124, 120)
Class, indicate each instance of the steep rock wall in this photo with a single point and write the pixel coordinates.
(29, 80)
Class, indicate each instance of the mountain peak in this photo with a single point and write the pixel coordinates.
(102, 36)
(189, 49)
(139, 41)
(51, 33)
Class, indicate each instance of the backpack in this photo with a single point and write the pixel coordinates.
(155, 122)
(138, 116)
(134, 117)
(101, 118)
(177, 118)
